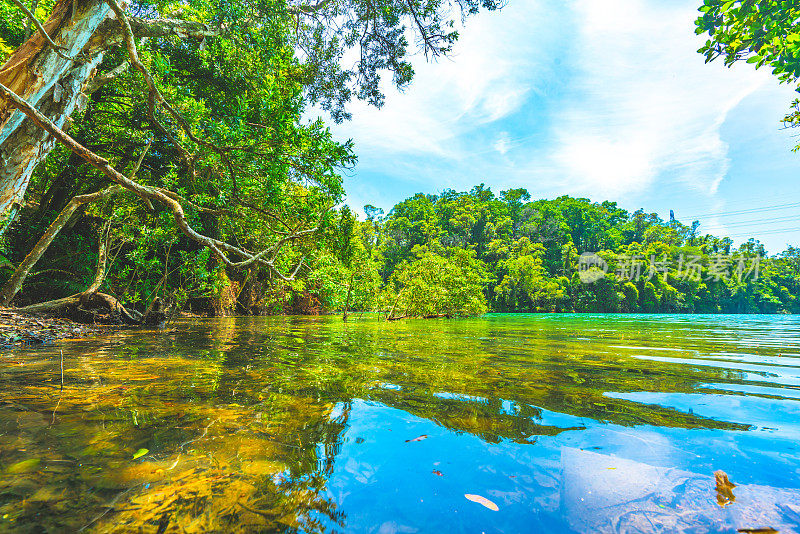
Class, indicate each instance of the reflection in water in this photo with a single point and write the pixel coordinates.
(314, 425)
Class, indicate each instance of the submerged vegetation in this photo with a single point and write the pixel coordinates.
(242, 424)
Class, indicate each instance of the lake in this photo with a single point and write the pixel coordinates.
(506, 423)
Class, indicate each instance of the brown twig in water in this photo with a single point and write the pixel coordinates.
(60, 391)
(262, 514)
(108, 508)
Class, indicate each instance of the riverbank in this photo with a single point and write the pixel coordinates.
(22, 329)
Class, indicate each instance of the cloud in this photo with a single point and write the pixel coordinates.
(644, 108)
(602, 99)
(486, 79)
(502, 145)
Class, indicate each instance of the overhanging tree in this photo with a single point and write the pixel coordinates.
(758, 32)
(240, 156)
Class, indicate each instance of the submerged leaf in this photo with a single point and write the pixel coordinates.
(140, 453)
(482, 500)
(24, 466)
(724, 489)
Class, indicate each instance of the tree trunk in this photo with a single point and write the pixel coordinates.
(11, 288)
(347, 300)
(51, 84)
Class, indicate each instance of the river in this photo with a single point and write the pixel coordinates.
(506, 423)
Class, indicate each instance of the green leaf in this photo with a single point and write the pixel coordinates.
(140, 453)
(24, 466)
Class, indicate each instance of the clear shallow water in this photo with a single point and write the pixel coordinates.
(567, 423)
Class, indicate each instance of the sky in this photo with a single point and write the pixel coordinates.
(603, 99)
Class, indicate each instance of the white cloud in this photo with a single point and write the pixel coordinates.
(605, 99)
(481, 83)
(502, 145)
(644, 107)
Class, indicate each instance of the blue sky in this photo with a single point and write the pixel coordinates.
(601, 99)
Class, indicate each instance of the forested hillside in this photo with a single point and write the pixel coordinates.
(453, 254)
(565, 255)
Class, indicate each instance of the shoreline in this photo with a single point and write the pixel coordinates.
(25, 330)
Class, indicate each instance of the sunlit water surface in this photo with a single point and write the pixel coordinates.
(550, 423)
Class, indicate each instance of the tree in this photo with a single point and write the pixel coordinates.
(219, 87)
(525, 285)
(761, 33)
(40, 71)
(443, 283)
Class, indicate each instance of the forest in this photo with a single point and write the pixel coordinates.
(446, 255)
(161, 157)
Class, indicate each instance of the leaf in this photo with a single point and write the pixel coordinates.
(724, 489)
(419, 438)
(24, 466)
(483, 501)
(140, 453)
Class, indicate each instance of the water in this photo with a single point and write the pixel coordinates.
(564, 423)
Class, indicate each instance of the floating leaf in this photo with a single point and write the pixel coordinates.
(140, 453)
(724, 489)
(24, 466)
(483, 501)
(419, 438)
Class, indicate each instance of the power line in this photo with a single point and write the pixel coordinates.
(768, 232)
(742, 212)
(754, 222)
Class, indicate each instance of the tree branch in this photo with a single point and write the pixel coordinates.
(266, 257)
(56, 48)
(111, 31)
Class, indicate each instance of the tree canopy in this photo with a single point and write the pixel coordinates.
(194, 115)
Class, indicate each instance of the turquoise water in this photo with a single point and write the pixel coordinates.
(507, 423)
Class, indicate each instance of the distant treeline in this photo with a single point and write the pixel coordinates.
(564, 255)
(446, 255)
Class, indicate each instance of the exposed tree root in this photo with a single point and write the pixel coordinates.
(93, 307)
(98, 308)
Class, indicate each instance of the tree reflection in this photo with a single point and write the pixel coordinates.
(243, 421)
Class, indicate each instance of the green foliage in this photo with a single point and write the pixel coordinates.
(761, 33)
(525, 284)
(530, 251)
(451, 254)
(439, 283)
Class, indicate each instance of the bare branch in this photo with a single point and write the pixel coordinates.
(99, 81)
(34, 5)
(12, 287)
(113, 31)
(56, 48)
